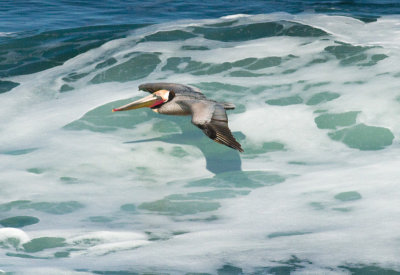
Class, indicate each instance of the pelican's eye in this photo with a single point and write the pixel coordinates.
(171, 95)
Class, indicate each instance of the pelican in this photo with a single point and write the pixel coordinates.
(177, 99)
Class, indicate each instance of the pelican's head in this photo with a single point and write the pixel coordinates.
(152, 101)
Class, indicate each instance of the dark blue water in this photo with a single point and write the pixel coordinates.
(39, 34)
(44, 15)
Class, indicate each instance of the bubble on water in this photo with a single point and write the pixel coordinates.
(175, 35)
(364, 137)
(285, 101)
(348, 196)
(40, 244)
(57, 208)
(19, 221)
(322, 97)
(332, 121)
(171, 207)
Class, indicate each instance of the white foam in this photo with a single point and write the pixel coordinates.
(6, 34)
(235, 16)
(7, 233)
(107, 241)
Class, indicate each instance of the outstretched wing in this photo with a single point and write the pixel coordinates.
(211, 118)
(174, 87)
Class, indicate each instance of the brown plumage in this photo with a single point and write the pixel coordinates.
(177, 99)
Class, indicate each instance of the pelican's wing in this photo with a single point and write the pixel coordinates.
(211, 118)
(174, 87)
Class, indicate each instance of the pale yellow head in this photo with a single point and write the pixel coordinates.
(155, 99)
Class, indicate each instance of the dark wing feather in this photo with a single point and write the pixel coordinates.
(174, 87)
(211, 118)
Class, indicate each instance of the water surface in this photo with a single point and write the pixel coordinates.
(88, 191)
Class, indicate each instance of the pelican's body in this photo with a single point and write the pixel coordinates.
(177, 99)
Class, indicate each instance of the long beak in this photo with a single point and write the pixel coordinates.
(148, 101)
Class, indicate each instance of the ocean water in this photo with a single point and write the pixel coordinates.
(88, 191)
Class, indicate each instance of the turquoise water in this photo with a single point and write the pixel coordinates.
(88, 191)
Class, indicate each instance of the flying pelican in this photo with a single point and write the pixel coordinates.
(178, 99)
